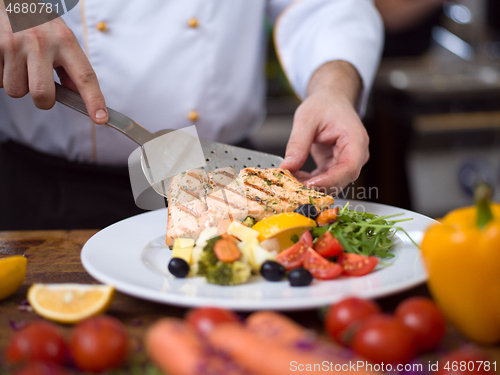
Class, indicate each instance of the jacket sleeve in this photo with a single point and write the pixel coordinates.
(310, 33)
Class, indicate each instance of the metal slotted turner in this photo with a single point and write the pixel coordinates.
(215, 155)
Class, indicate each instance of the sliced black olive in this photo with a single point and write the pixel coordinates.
(308, 210)
(178, 267)
(299, 277)
(272, 271)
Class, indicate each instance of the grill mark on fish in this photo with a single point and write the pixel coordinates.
(224, 201)
(187, 210)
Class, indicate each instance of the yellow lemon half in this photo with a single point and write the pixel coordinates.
(70, 303)
(283, 227)
(12, 273)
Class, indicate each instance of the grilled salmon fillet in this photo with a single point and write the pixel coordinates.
(198, 200)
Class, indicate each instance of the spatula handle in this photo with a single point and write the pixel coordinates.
(116, 120)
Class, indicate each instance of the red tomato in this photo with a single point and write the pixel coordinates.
(426, 321)
(320, 267)
(204, 319)
(356, 265)
(38, 341)
(343, 318)
(39, 368)
(99, 343)
(327, 245)
(327, 216)
(293, 257)
(465, 361)
(382, 338)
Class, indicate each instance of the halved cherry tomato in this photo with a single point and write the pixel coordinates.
(327, 216)
(320, 267)
(293, 257)
(356, 265)
(327, 245)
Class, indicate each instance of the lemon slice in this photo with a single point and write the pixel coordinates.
(70, 303)
(283, 227)
(12, 273)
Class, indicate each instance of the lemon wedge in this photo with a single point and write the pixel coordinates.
(12, 273)
(283, 227)
(70, 303)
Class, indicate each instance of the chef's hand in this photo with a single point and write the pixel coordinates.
(327, 125)
(27, 60)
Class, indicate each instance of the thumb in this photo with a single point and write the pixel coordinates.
(299, 145)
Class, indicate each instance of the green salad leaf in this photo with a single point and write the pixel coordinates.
(364, 233)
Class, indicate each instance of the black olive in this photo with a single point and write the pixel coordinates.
(272, 271)
(308, 210)
(299, 277)
(178, 267)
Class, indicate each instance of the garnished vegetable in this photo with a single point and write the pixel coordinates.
(356, 265)
(293, 257)
(178, 267)
(272, 271)
(319, 267)
(249, 222)
(363, 233)
(300, 277)
(328, 246)
(327, 216)
(308, 210)
(183, 248)
(226, 251)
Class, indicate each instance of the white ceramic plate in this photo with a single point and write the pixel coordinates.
(131, 256)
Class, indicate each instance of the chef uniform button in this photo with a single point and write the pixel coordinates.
(193, 23)
(193, 116)
(102, 26)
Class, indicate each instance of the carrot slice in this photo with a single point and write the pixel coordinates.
(275, 327)
(327, 216)
(226, 251)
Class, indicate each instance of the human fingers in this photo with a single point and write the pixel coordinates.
(78, 68)
(300, 142)
(41, 79)
(15, 77)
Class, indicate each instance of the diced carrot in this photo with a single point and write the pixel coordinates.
(265, 357)
(327, 216)
(226, 251)
(223, 225)
(178, 350)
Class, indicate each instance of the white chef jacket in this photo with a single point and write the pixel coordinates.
(172, 63)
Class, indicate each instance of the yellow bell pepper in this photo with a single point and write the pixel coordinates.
(462, 256)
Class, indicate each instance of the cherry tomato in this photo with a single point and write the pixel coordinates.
(293, 257)
(327, 245)
(327, 216)
(204, 319)
(40, 368)
(99, 343)
(320, 267)
(465, 361)
(356, 265)
(38, 341)
(382, 338)
(426, 321)
(343, 318)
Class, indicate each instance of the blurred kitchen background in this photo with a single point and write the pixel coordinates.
(434, 113)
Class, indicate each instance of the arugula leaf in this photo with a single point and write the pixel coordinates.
(364, 233)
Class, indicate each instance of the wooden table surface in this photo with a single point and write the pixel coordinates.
(54, 257)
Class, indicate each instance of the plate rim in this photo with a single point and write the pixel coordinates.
(186, 301)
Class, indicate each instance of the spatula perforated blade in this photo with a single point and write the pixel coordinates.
(168, 152)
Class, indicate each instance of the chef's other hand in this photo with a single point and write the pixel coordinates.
(327, 125)
(27, 60)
